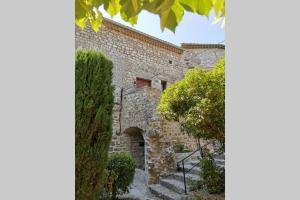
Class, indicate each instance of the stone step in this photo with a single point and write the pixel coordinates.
(194, 170)
(189, 177)
(164, 193)
(180, 156)
(152, 198)
(222, 157)
(193, 162)
(173, 184)
(219, 162)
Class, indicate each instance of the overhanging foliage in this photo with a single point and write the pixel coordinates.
(169, 11)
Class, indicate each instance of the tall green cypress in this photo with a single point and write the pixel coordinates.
(93, 128)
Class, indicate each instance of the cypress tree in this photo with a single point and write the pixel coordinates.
(93, 128)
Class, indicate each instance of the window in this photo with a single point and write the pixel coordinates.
(140, 82)
(163, 85)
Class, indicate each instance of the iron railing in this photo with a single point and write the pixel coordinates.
(182, 162)
(183, 169)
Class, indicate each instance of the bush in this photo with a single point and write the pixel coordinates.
(121, 169)
(204, 196)
(93, 122)
(194, 185)
(179, 147)
(213, 176)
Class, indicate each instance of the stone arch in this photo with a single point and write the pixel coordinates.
(136, 144)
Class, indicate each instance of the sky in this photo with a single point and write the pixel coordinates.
(192, 29)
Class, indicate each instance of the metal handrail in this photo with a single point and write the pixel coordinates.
(189, 155)
(183, 169)
(199, 149)
(193, 167)
(182, 161)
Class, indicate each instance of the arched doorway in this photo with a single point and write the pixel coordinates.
(136, 145)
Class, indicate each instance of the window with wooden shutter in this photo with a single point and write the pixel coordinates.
(140, 82)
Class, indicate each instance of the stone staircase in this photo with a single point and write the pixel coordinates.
(171, 186)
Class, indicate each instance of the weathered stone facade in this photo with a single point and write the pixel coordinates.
(137, 127)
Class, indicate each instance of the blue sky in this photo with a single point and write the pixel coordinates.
(192, 29)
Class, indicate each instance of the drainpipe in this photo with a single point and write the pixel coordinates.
(120, 111)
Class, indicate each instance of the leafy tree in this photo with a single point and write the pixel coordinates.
(198, 103)
(169, 11)
(93, 121)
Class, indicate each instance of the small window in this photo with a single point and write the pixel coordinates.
(163, 85)
(141, 144)
(170, 62)
(140, 82)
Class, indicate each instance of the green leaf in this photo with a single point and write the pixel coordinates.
(112, 7)
(165, 5)
(189, 5)
(168, 19)
(97, 3)
(130, 10)
(131, 20)
(223, 11)
(170, 11)
(130, 7)
(96, 20)
(81, 22)
(158, 6)
(202, 7)
(171, 17)
(219, 6)
(80, 9)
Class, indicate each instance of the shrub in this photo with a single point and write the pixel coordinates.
(121, 169)
(194, 185)
(93, 122)
(213, 176)
(179, 147)
(204, 196)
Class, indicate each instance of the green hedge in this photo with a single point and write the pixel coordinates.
(121, 169)
(93, 128)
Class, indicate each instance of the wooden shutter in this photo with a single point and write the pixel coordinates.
(142, 83)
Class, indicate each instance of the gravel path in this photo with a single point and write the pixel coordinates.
(138, 189)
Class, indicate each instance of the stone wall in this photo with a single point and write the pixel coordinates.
(132, 58)
(204, 58)
(135, 119)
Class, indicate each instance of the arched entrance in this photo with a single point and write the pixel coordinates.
(136, 145)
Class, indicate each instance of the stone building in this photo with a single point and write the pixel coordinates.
(143, 67)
